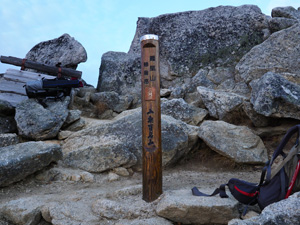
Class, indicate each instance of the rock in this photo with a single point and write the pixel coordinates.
(150, 221)
(8, 139)
(112, 101)
(130, 191)
(19, 161)
(201, 79)
(280, 23)
(222, 105)
(6, 109)
(7, 122)
(279, 53)
(182, 207)
(120, 73)
(73, 116)
(39, 123)
(238, 143)
(113, 177)
(258, 120)
(84, 105)
(22, 211)
(180, 110)
(118, 209)
(222, 77)
(97, 153)
(64, 134)
(284, 212)
(121, 171)
(8, 125)
(69, 212)
(119, 143)
(196, 36)
(73, 122)
(76, 126)
(274, 96)
(65, 174)
(178, 92)
(64, 50)
(286, 12)
(188, 42)
(165, 92)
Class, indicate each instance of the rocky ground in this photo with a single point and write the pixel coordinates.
(186, 175)
(62, 195)
(72, 196)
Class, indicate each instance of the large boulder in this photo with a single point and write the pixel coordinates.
(279, 53)
(274, 96)
(20, 160)
(195, 38)
(64, 50)
(119, 143)
(38, 123)
(182, 207)
(284, 212)
(188, 41)
(238, 143)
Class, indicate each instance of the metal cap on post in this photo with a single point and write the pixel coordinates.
(151, 116)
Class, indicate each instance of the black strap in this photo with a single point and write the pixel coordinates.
(282, 183)
(221, 191)
(263, 173)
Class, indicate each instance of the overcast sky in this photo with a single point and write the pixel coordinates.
(99, 25)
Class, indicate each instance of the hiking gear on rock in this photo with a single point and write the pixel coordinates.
(275, 183)
(56, 88)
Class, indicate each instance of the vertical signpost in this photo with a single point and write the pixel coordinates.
(152, 153)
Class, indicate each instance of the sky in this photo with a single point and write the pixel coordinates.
(99, 25)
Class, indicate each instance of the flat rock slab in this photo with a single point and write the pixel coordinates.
(181, 206)
(19, 161)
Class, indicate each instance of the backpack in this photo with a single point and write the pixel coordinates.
(275, 183)
(55, 88)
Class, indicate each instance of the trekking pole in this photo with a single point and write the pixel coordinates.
(293, 181)
(151, 118)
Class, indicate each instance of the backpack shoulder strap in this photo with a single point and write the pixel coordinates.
(284, 141)
(292, 152)
(221, 191)
(279, 150)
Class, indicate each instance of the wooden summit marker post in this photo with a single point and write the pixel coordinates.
(152, 153)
